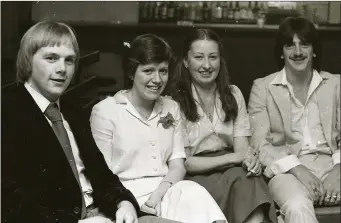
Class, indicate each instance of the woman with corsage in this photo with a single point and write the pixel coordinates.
(140, 134)
(219, 156)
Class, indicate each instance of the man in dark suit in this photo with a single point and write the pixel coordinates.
(52, 170)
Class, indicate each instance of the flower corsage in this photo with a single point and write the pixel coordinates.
(167, 121)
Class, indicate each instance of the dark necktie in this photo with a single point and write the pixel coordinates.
(53, 114)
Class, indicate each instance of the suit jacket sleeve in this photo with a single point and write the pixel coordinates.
(260, 126)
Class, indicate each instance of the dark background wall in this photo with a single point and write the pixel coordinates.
(100, 26)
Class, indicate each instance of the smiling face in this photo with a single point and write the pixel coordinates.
(203, 62)
(298, 55)
(52, 70)
(150, 80)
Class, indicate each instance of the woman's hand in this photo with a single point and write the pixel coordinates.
(152, 207)
(252, 165)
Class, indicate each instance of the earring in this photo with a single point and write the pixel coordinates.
(314, 55)
(131, 77)
(282, 57)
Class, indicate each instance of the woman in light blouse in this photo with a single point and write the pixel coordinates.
(140, 133)
(219, 156)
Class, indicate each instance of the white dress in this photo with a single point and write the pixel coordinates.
(137, 150)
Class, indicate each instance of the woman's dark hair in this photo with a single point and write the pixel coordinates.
(305, 31)
(180, 84)
(145, 49)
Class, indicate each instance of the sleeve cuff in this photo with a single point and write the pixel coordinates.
(177, 155)
(336, 157)
(284, 164)
(242, 132)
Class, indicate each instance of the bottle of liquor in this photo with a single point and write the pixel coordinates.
(237, 13)
(255, 10)
(250, 16)
(218, 11)
(230, 14)
(163, 10)
(205, 12)
(243, 10)
(225, 10)
(151, 11)
(157, 11)
(179, 11)
(143, 12)
(198, 11)
(171, 11)
(186, 11)
(191, 8)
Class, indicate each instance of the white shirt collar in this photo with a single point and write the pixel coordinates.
(40, 100)
(281, 78)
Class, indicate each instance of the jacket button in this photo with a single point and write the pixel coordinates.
(76, 210)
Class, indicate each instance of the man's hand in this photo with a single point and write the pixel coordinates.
(311, 182)
(126, 213)
(252, 165)
(332, 186)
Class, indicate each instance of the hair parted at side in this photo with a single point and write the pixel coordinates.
(180, 83)
(43, 34)
(305, 30)
(145, 49)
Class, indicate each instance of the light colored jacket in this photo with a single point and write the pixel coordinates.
(270, 117)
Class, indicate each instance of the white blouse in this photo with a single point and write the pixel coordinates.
(134, 147)
(207, 136)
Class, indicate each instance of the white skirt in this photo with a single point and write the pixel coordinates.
(186, 201)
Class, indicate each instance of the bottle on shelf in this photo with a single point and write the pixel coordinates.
(191, 13)
(186, 11)
(206, 12)
(157, 11)
(255, 10)
(225, 10)
(163, 10)
(179, 11)
(151, 11)
(230, 14)
(171, 11)
(143, 12)
(236, 13)
(199, 11)
(218, 11)
(243, 10)
(250, 16)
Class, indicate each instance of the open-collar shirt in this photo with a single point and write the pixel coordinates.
(306, 124)
(205, 135)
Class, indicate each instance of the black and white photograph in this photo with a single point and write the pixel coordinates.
(170, 111)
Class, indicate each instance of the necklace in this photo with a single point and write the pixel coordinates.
(204, 108)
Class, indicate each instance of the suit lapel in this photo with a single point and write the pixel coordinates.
(325, 98)
(282, 99)
(47, 142)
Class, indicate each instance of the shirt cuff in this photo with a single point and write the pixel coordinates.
(336, 157)
(284, 164)
(177, 155)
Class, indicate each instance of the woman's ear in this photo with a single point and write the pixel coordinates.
(185, 62)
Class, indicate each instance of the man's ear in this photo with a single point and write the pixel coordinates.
(185, 62)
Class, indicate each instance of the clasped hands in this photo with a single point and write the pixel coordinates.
(251, 164)
(153, 204)
(324, 193)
